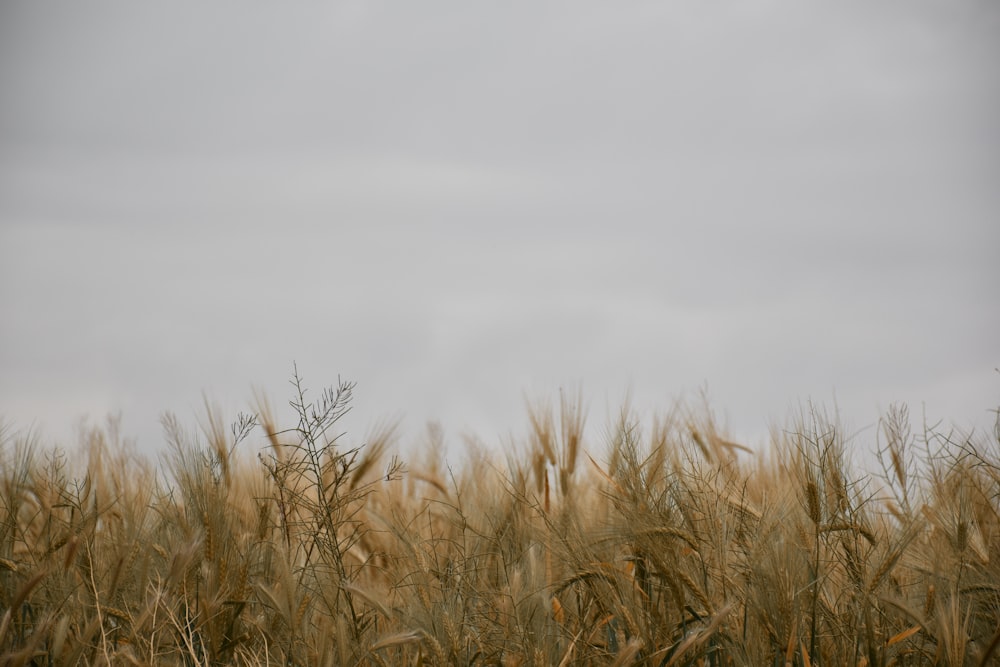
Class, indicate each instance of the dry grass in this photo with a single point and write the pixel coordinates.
(669, 546)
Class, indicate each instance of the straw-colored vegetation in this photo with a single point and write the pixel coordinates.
(272, 544)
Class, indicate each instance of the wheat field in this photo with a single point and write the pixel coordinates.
(664, 543)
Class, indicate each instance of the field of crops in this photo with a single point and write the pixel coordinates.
(664, 543)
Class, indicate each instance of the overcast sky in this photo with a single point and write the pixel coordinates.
(458, 204)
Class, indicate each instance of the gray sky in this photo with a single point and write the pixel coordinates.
(457, 204)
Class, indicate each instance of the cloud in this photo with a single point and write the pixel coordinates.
(453, 204)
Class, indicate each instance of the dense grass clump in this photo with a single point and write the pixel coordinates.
(668, 546)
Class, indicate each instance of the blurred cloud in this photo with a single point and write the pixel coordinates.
(454, 205)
